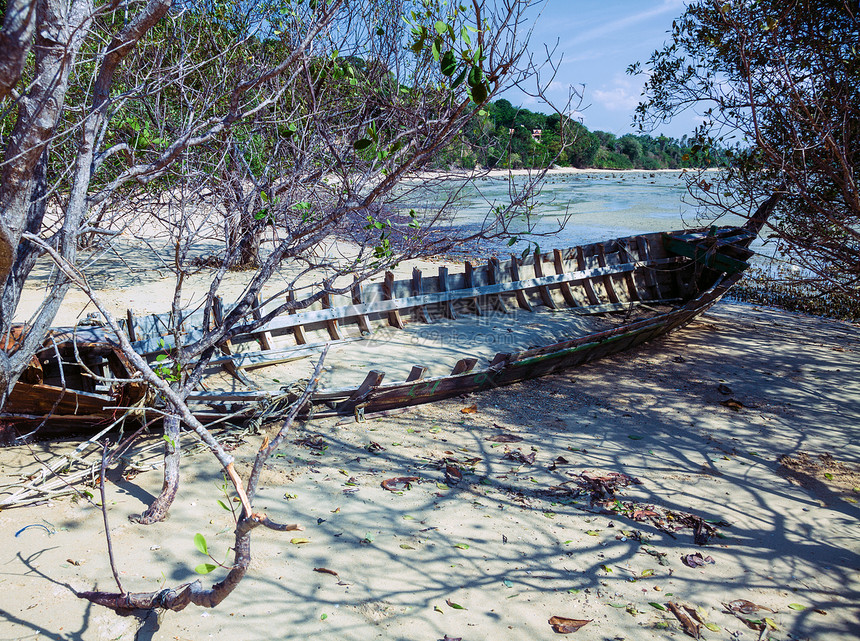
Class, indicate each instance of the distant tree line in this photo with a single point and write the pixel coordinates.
(508, 137)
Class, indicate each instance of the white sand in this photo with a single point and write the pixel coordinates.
(654, 413)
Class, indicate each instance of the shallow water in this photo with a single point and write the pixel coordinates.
(591, 207)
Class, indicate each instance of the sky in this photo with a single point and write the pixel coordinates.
(596, 41)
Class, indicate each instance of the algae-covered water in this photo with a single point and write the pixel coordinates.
(593, 206)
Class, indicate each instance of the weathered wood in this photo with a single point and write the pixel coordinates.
(264, 338)
(558, 262)
(361, 319)
(607, 280)
(385, 306)
(469, 278)
(650, 277)
(493, 278)
(586, 282)
(705, 255)
(464, 366)
(522, 301)
(545, 294)
(298, 330)
(363, 391)
(129, 324)
(251, 360)
(417, 290)
(394, 318)
(332, 324)
(629, 281)
(447, 305)
(417, 373)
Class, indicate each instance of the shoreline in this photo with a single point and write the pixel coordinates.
(441, 174)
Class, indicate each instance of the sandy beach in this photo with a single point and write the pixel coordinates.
(512, 544)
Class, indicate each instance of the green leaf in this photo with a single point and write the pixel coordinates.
(796, 606)
(476, 76)
(448, 64)
(161, 357)
(771, 624)
(459, 79)
(200, 543)
(440, 27)
(479, 93)
(606, 568)
(648, 572)
(592, 532)
(222, 504)
(634, 437)
(713, 627)
(456, 606)
(364, 143)
(462, 546)
(659, 606)
(323, 617)
(205, 568)
(406, 546)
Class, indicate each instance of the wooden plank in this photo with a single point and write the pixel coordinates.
(522, 301)
(129, 325)
(385, 306)
(394, 318)
(332, 325)
(250, 360)
(493, 278)
(650, 277)
(586, 282)
(417, 290)
(363, 321)
(545, 294)
(704, 255)
(418, 372)
(558, 262)
(469, 277)
(447, 306)
(264, 338)
(607, 280)
(464, 366)
(298, 330)
(363, 391)
(632, 291)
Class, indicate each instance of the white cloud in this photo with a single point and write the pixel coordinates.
(623, 95)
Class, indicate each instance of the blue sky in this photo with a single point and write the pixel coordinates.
(597, 40)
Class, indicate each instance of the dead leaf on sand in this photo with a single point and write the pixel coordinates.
(733, 404)
(563, 625)
(742, 606)
(399, 483)
(519, 457)
(505, 438)
(690, 627)
(696, 560)
(326, 571)
(472, 409)
(452, 475)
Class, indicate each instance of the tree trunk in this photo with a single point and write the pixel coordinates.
(158, 510)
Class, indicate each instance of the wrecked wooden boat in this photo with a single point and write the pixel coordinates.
(407, 341)
(77, 381)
